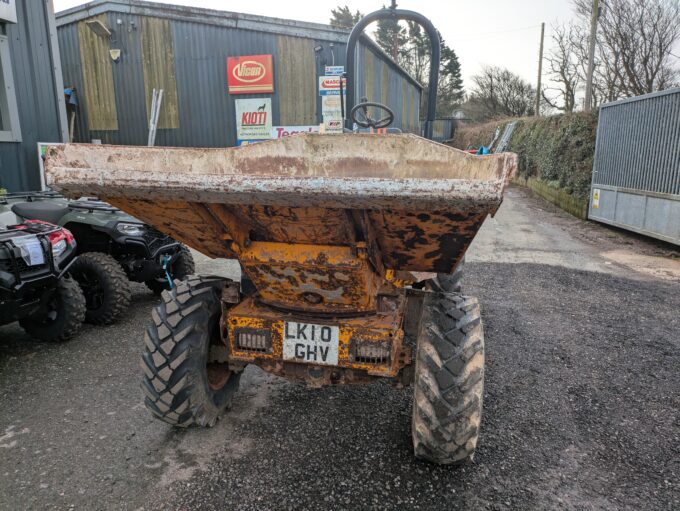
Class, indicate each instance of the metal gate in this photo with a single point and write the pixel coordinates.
(636, 173)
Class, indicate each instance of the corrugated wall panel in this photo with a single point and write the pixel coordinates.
(637, 143)
(36, 94)
(206, 110)
(158, 62)
(296, 80)
(636, 171)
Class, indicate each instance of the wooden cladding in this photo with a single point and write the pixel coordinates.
(159, 69)
(296, 81)
(95, 61)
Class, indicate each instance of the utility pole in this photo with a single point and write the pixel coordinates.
(540, 72)
(591, 55)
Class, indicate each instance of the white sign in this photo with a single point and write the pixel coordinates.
(333, 124)
(330, 105)
(287, 131)
(8, 11)
(330, 85)
(314, 344)
(253, 118)
(334, 70)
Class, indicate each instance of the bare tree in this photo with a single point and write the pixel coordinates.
(563, 65)
(501, 93)
(635, 41)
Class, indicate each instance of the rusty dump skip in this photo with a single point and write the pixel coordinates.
(311, 215)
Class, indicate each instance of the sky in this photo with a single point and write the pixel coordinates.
(502, 33)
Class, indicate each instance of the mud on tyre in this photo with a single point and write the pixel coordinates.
(181, 385)
(449, 379)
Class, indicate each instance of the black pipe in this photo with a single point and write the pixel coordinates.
(397, 14)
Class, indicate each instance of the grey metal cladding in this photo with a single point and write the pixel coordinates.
(202, 39)
(636, 171)
(36, 94)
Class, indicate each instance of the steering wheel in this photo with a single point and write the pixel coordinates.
(360, 116)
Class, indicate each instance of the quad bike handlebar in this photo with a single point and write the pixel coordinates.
(395, 14)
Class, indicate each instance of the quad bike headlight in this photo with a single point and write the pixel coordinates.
(131, 229)
(59, 247)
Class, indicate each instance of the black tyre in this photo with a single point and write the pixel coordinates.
(180, 269)
(65, 314)
(448, 282)
(105, 286)
(449, 379)
(181, 383)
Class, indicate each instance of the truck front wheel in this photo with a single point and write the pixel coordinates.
(449, 379)
(182, 384)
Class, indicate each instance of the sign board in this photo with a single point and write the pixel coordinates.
(287, 131)
(334, 70)
(252, 74)
(596, 198)
(330, 85)
(8, 11)
(333, 124)
(253, 118)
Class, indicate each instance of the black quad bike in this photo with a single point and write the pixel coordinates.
(114, 248)
(35, 288)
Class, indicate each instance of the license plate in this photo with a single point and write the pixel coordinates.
(313, 344)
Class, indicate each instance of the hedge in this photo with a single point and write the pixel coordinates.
(558, 150)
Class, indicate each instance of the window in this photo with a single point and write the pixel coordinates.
(9, 113)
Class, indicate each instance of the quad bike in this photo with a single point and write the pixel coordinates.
(114, 248)
(35, 287)
(351, 242)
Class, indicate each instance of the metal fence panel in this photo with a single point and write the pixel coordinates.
(636, 172)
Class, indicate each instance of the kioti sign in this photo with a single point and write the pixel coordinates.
(250, 74)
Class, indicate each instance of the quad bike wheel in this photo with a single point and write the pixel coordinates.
(65, 313)
(105, 286)
(180, 269)
(181, 383)
(449, 379)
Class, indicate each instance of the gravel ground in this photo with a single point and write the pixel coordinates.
(582, 405)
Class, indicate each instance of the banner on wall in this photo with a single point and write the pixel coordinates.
(251, 74)
(253, 118)
(288, 131)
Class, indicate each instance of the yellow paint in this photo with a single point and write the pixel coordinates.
(99, 93)
(158, 64)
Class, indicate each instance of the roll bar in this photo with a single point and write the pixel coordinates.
(396, 14)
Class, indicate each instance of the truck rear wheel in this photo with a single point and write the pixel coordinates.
(449, 379)
(182, 385)
(65, 313)
(104, 284)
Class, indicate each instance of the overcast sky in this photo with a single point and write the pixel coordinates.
(497, 32)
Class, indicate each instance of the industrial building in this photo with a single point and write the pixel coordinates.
(116, 52)
(32, 107)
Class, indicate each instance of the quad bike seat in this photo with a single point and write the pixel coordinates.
(41, 210)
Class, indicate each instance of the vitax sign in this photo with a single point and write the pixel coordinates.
(8, 11)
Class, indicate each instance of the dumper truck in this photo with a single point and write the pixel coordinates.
(350, 245)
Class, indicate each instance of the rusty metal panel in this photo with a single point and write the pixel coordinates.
(369, 75)
(95, 61)
(384, 83)
(296, 81)
(424, 200)
(158, 62)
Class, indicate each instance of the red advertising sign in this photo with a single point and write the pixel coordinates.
(250, 74)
